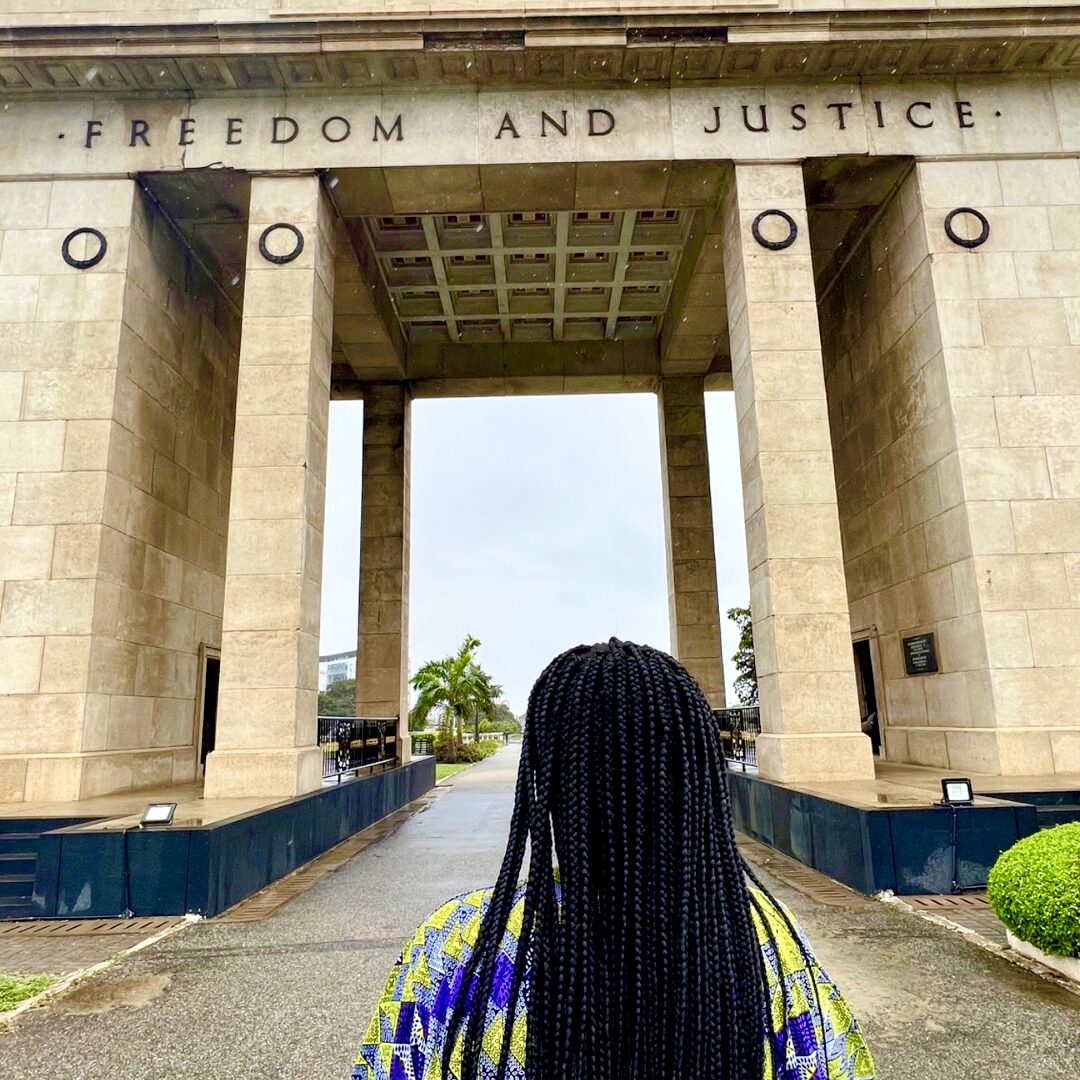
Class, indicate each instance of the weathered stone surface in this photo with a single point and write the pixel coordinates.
(995, 502)
(383, 640)
(269, 658)
(801, 623)
(692, 598)
(112, 488)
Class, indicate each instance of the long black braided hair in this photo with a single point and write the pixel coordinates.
(650, 968)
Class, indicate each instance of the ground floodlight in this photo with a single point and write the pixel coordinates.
(957, 792)
(158, 813)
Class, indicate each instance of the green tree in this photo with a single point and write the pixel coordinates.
(456, 689)
(503, 719)
(417, 719)
(338, 699)
(746, 683)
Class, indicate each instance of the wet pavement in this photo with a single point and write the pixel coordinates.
(62, 946)
(288, 996)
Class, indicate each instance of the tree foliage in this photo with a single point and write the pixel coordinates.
(746, 688)
(338, 699)
(503, 719)
(456, 690)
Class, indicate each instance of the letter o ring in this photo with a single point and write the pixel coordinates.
(289, 256)
(775, 245)
(93, 260)
(984, 231)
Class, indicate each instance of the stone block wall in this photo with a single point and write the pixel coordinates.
(1010, 318)
(117, 386)
(33, 12)
(382, 675)
(892, 429)
(266, 730)
(693, 603)
(802, 635)
(952, 384)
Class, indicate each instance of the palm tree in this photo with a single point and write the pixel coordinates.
(458, 689)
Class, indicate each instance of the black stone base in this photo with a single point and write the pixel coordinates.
(88, 872)
(908, 850)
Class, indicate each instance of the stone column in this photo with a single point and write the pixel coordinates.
(266, 729)
(688, 522)
(382, 648)
(59, 358)
(798, 598)
(117, 379)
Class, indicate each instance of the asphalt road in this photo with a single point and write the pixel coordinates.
(288, 997)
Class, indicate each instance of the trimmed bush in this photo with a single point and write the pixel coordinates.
(1034, 888)
(477, 751)
(466, 753)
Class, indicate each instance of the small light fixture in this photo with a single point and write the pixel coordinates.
(158, 813)
(957, 792)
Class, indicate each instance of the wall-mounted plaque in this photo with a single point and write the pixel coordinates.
(920, 654)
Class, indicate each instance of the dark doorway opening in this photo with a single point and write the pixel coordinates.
(211, 674)
(868, 705)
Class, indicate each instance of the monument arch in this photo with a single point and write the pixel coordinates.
(871, 243)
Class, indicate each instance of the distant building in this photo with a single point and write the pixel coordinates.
(336, 667)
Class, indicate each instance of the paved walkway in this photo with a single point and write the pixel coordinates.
(63, 947)
(287, 997)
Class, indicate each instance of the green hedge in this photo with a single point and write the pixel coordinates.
(465, 753)
(1034, 888)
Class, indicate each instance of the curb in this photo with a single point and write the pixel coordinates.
(1011, 955)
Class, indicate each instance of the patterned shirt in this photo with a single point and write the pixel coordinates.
(407, 1034)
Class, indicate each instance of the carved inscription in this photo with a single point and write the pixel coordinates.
(590, 122)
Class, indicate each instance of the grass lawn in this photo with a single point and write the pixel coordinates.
(443, 771)
(16, 988)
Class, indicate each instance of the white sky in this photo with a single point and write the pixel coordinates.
(536, 525)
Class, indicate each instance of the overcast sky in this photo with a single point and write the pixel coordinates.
(537, 524)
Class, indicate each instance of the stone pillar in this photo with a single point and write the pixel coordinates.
(798, 598)
(112, 520)
(691, 561)
(1009, 317)
(382, 648)
(59, 356)
(266, 728)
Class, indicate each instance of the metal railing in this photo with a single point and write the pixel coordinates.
(739, 729)
(490, 736)
(423, 742)
(352, 743)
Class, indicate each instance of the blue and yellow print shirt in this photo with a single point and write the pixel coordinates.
(406, 1036)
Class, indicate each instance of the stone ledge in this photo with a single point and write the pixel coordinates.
(375, 52)
(281, 772)
(1067, 966)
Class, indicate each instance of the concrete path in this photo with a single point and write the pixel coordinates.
(287, 997)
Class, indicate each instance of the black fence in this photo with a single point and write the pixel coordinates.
(423, 742)
(351, 743)
(488, 736)
(739, 729)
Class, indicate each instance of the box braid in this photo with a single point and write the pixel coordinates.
(650, 969)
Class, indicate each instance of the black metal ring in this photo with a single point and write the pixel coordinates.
(279, 259)
(984, 232)
(775, 245)
(84, 264)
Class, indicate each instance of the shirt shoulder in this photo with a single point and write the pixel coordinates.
(449, 933)
(813, 1031)
(408, 1031)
